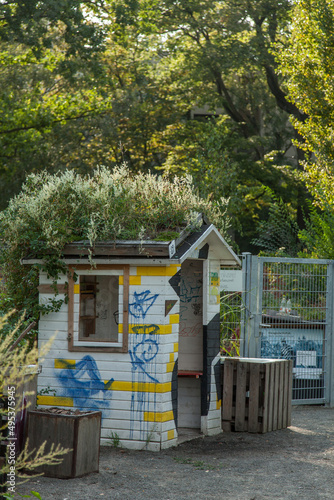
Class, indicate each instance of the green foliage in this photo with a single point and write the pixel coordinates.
(318, 236)
(33, 24)
(223, 165)
(307, 61)
(278, 234)
(231, 308)
(13, 374)
(43, 88)
(53, 210)
(101, 83)
(114, 439)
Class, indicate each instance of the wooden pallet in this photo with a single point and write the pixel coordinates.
(257, 394)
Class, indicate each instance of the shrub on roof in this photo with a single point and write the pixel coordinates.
(53, 210)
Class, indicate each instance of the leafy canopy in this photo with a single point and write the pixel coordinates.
(308, 63)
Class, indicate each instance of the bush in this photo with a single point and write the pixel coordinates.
(13, 374)
(53, 210)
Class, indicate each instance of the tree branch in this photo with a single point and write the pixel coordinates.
(53, 122)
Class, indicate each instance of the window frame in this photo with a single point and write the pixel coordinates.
(94, 345)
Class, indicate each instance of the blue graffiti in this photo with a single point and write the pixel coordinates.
(84, 382)
(142, 354)
(142, 303)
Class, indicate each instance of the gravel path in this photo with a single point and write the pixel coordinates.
(297, 462)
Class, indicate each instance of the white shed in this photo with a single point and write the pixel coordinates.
(139, 337)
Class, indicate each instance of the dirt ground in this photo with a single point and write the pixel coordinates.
(297, 462)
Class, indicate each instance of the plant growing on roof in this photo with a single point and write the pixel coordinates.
(53, 210)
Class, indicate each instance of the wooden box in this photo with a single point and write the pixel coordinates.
(79, 431)
(256, 394)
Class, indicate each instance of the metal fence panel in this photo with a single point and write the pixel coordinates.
(288, 315)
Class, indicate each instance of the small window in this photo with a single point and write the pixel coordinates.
(98, 310)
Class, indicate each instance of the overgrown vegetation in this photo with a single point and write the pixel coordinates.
(279, 234)
(53, 210)
(13, 374)
(231, 308)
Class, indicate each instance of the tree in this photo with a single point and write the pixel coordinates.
(222, 54)
(158, 61)
(36, 24)
(43, 45)
(308, 62)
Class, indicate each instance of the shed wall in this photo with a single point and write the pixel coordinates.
(133, 389)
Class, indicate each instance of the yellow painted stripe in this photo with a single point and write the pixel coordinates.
(171, 270)
(120, 385)
(150, 416)
(171, 357)
(219, 404)
(120, 328)
(163, 329)
(151, 271)
(170, 434)
(133, 280)
(174, 319)
(176, 347)
(157, 270)
(54, 401)
(64, 363)
(170, 367)
(76, 288)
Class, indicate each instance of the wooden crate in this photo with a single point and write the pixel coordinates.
(79, 431)
(256, 394)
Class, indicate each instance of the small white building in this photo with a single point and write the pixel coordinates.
(139, 337)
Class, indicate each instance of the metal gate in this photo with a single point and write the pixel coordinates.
(287, 314)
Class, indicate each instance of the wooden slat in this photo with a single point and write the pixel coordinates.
(240, 403)
(158, 250)
(275, 389)
(271, 396)
(280, 395)
(254, 387)
(227, 401)
(266, 398)
(288, 423)
(285, 388)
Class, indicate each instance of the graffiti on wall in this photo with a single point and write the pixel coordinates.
(143, 349)
(84, 385)
(144, 352)
(141, 304)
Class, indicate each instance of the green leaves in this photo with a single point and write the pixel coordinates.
(53, 210)
(308, 64)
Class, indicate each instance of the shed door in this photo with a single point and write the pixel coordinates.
(190, 364)
(191, 316)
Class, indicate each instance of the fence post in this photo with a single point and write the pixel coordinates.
(250, 292)
(329, 337)
(245, 313)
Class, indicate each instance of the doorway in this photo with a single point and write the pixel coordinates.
(190, 363)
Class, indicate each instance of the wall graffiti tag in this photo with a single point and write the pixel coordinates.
(146, 350)
(143, 350)
(141, 304)
(84, 385)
